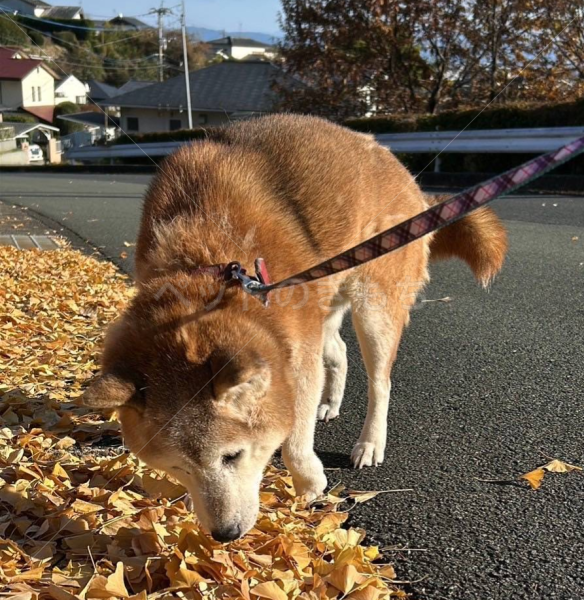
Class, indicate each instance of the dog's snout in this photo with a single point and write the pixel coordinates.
(227, 534)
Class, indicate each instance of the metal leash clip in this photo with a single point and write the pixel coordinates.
(254, 286)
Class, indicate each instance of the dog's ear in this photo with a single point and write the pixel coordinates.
(239, 383)
(117, 384)
(109, 391)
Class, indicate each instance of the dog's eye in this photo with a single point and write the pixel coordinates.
(229, 459)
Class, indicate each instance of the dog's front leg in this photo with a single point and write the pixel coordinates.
(298, 450)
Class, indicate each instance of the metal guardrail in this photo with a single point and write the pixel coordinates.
(528, 141)
(93, 153)
(511, 141)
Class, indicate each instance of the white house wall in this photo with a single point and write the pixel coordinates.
(71, 90)
(151, 120)
(239, 52)
(38, 78)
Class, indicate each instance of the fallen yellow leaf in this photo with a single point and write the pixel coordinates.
(534, 478)
(558, 466)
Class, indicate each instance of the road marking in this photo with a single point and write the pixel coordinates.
(29, 242)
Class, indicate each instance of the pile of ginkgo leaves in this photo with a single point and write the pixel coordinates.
(81, 523)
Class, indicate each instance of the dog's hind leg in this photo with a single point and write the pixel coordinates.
(379, 331)
(335, 364)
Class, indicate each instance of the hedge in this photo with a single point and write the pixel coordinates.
(509, 116)
(179, 135)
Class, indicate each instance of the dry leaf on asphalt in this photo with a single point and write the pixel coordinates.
(558, 466)
(78, 523)
(535, 477)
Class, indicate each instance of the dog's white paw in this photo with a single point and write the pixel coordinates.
(327, 413)
(311, 488)
(367, 454)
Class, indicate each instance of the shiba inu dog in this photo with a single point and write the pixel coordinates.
(207, 381)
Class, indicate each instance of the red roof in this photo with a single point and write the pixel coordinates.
(17, 68)
(7, 53)
(44, 113)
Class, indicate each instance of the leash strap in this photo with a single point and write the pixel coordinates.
(430, 220)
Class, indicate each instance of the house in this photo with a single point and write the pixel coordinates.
(38, 8)
(97, 126)
(71, 89)
(127, 23)
(26, 84)
(15, 139)
(219, 93)
(240, 48)
(99, 91)
(132, 85)
(8, 52)
(65, 13)
(32, 8)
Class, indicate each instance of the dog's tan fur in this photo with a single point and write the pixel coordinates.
(194, 386)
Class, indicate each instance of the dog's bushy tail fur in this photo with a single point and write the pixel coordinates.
(480, 239)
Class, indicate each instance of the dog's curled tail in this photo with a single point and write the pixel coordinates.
(480, 239)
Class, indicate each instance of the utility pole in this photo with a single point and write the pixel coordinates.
(161, 12)
(186, 64)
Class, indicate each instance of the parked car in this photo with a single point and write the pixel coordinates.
(35, 153)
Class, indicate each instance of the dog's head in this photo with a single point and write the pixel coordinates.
(204, 396)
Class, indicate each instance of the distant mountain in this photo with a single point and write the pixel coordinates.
(207, 35)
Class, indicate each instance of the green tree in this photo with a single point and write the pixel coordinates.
(11, 34)
(67, 108)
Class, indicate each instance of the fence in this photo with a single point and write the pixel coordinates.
(521, 141)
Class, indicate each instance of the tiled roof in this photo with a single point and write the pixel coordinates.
(7, 53)
(235, 41)
(96, 119)
(17, 68)
(231, 86)
(44, 113)
(101, 91)
(132, 85)
(61, 12)
(121, 21)
(37, 3)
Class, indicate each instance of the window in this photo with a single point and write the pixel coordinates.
(175, 124)
(39, 93)
(133, 124)
(33, 94)
(81, 100)
(203, 119)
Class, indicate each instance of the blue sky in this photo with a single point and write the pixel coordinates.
(231, 15)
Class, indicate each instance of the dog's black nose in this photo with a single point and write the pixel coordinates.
(227, 534)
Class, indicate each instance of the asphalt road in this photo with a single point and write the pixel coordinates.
(485, 387)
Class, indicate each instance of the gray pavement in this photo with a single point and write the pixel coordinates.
(485, 387)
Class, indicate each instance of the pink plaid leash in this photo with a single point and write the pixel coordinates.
(436, 217)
